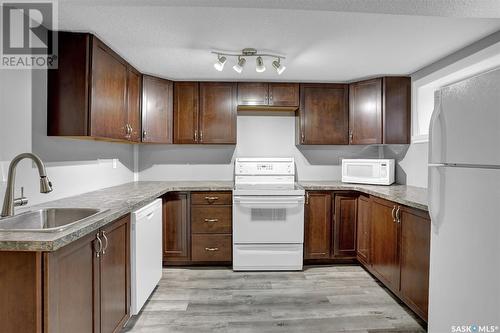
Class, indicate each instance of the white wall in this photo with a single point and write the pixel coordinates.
(415, 164)
(73, 166)
(258, 136)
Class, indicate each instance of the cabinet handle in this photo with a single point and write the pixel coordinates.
(144, 133)
(106, 244)
(307, 198)
(99, 243)
(211, 199)
(350, 136)
(392, 213)
(397, 215)
(195, 136)
(302, 137)
(211, 249)
(211, 220)
(201, 136)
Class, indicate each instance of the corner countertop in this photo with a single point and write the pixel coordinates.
(117, 201)
(411, 196)
(123, 199)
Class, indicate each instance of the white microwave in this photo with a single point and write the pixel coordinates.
(368, 171)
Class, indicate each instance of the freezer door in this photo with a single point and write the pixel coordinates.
(465, 125)
(465, 247)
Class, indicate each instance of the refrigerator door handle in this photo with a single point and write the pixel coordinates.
(437, 132)
(436, 195)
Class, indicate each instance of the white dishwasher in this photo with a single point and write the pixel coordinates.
(145, 253)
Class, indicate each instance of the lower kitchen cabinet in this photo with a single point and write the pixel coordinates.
(87, 283)
(211, 227)
(176, 228)
(197, 228)
(400, 252)
(211, 247)
(415, 259)
(318, 225)
(330, 225)
(72, 288)
(344, 226)
(363, 229)
(82, 287)
(114, 273)
(384, 243)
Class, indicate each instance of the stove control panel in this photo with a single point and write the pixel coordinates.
(264, 166)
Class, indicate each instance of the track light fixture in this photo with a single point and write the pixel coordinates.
(259, 67)
(278, 67)
(239, 66)
(219, 65)
(245, 53)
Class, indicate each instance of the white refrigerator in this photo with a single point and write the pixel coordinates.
(464, 205)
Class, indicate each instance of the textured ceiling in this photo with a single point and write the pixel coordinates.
(323, 40)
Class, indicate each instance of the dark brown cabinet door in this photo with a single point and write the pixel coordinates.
(134, 86)
(115, 276)
(217, 112)
(384, 243)
(318, 221)
(365, 112)
(176, 228)
(344, 226)
(397, 109)
(323, 114)
(253, 93)
(363, 229)
(186, 106)
(71, 277)
(415, 251)
(284, 94)
(108, 112)
(157, 110)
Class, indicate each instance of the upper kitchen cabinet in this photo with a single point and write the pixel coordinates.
(217, 123)
(323, 115)
(186, 109)
(255, 95)
(379, 111)
(157, 110)
(93, 92)
(205, 112)
(134, 82)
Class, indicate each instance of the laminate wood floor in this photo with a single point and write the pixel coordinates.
(340, 298)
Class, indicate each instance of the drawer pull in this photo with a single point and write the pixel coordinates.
(211, 249)
(211, 198)
(211, 220)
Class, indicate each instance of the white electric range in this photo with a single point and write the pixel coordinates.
(268, 215)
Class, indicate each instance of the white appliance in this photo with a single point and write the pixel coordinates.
(368, 171)
(464, 198)
(145, 253)
(268, 215)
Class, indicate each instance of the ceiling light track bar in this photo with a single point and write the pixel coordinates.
(234, 54)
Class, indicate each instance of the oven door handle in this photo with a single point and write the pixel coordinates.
(269, 201)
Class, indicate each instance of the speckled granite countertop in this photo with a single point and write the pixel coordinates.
(411, 196)
(118, 200)
(123, 199)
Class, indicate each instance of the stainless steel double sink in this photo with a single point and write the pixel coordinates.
(47, 219)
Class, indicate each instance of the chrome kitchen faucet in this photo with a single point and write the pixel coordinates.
(9, 201)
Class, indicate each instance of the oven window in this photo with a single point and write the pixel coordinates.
(365, 171)
(268, 214)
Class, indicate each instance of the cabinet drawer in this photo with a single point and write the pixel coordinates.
(211, 198)
(206, 219)
(211, 247)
